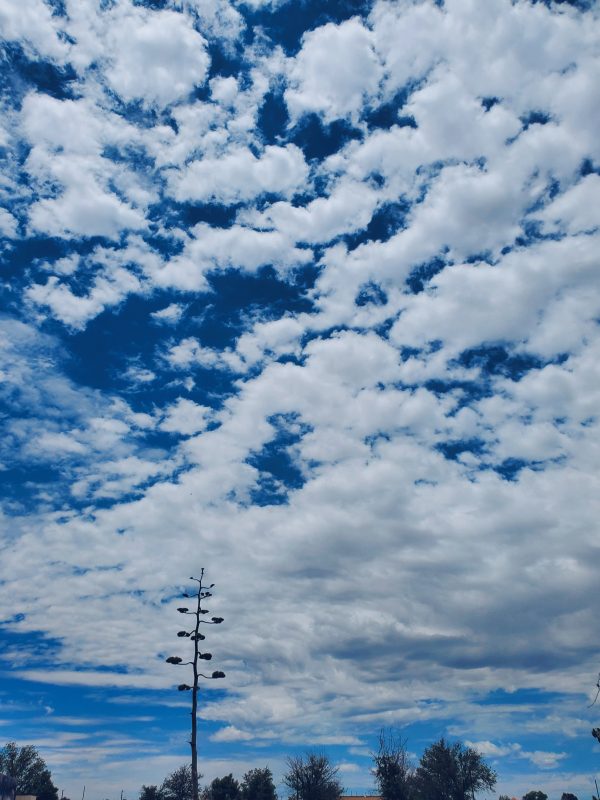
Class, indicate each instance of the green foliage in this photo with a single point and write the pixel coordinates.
(179, 785)
(312, 777)
(226, 788)
(150, 793)
(392, 769)
(8, 786)
(535, 795)
(257, 784)
(452, 772)
(29, 770)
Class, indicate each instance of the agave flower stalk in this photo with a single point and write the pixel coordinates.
(202, 594)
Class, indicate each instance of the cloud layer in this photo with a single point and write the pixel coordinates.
(315, 306)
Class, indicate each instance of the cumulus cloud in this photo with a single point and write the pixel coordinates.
(77, 183)
(34, 25)
(119, 272)
(8, 224)
(91, 212)
(169, 315)
(231, 734)
(348, 207)
(575, 210)
(155, 56)
(334, 72)
(186, 417)
(239, 175)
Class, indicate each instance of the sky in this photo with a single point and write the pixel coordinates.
(304, 293)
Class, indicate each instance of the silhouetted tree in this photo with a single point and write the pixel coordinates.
(29, 770)
(179, 785)
(393, 772)
(568, 796)
(535, 795)
(226, 788)
(452, 772)
(257, 784)
(201, 594)
(8, 787)
(312, 777)
(148, 793)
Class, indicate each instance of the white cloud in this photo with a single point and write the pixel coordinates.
(74, 310)
(32, 23)
(140, 374)
(189, 351)
(8, 224)
(224, 90)
(333, 72)
(345, 412)
(237, 247)
(349, 207)
(277, 337)
(57, 443)
(542, 759)
(491, 750)
(89, 211)
(231, 734)
(155, 56)
(346, 767)
(66, 162)
(419, 29)
(90, 437)
(496, 302)
(169, 315)
(185, 417)
(117, 273)
(239, 175)
(216, 17)
(576, 210)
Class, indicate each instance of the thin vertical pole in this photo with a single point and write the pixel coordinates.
(193, 742)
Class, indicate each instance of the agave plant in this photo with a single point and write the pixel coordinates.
(195, 636)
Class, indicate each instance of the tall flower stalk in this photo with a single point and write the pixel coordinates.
(196, 637)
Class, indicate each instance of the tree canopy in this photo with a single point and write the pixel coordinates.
(179, 785)
(312, 777)
(150, 793)
(257, 784)
(452, 772)
(226, 788)
(392, 769)
(29, 769)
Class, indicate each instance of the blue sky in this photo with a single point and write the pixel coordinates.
(306, 294)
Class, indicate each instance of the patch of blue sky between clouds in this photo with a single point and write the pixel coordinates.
(324, 308)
